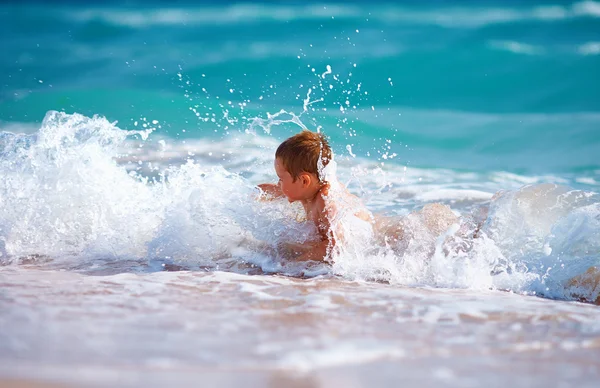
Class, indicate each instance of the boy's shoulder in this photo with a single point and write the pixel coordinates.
(334, 201)
(323, 196)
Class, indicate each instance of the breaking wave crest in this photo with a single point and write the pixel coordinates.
(66, 199)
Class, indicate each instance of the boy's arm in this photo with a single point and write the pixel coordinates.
(271, 189)
(320, 250)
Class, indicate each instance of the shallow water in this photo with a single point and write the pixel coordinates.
(152, 329)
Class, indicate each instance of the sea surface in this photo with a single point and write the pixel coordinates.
(134, 251)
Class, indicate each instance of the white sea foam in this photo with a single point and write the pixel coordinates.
(73, 191)
(332, 356)
(452, 195)
(63, 194)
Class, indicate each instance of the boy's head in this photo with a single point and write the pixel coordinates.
(297, 163)
(301, 153)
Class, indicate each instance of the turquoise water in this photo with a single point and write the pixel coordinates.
(485, 86)
(134, 252)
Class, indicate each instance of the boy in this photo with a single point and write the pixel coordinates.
(299, 164)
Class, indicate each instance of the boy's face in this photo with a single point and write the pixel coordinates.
(294, 191)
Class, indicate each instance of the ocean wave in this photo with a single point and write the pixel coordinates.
(65, 198)
(453, 17)
(585, 49)
(517, 47)
(590, 48)
(232, 14)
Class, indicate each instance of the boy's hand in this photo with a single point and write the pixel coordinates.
(270, 189)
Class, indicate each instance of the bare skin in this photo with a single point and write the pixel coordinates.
(311, 193)
(437, 217)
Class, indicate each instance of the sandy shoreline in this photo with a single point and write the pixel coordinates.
(188, 329)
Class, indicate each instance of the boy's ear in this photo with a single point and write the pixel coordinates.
(305, 179)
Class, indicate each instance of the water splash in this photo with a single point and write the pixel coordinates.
(65, 198)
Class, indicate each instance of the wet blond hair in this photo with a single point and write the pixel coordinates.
(301, 153)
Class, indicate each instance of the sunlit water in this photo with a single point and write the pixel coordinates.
(136, 253)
